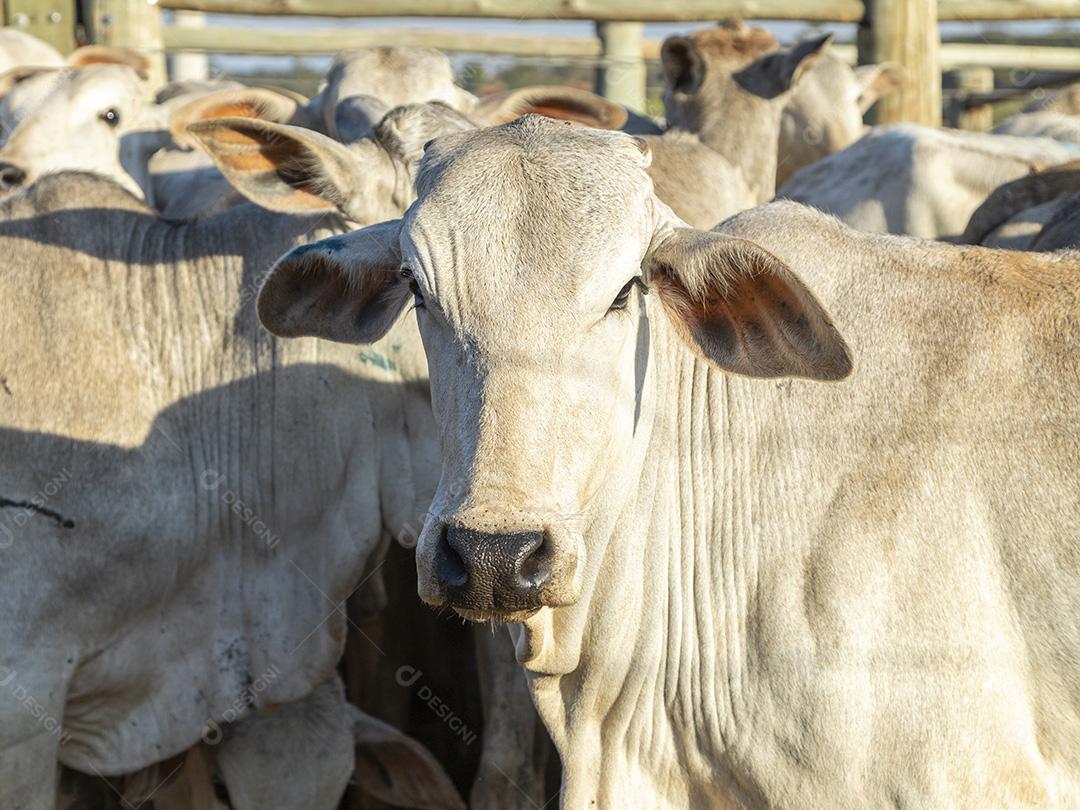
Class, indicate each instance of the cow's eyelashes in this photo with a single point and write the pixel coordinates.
(624, 294)
(111, 117)
(406, 275)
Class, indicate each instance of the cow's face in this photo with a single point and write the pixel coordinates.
(525, 261)
(732, 73)
(363, 85)
(92, 119)
(527, 257)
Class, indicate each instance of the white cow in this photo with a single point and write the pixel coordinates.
(94, 118)
(24, 85)
(721, 84)
(824, 113)
(729, 85)
(920, 181)
(244, 149)
(19, 49)
(1044, 124)
(785, 514)
(190, 535)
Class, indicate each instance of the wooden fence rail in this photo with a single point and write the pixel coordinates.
(901, 31)
(631, 10)
(600, 10)
(269, 41)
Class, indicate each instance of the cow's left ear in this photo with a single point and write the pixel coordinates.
(345, 288)
(565, 103)
(778, 72)
(743, 309)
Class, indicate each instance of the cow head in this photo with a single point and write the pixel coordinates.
(553, 293)
(730, 85)
(824, 114)
(95, 118)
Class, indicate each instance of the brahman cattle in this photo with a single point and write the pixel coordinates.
(918, 181)
(178, 534)
(782, 513)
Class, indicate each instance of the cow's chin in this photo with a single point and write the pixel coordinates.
(496, 616)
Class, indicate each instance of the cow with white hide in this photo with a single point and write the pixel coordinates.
(1064, 100)
(728, 85)
(372, 178)
(369, 181)
(23, 87)
(1042, 125)
(96, 118)
(19, 49)
(364, 84)
(783, 513)
(359, 89)
(298, 755)
(918, 181)
(161, 474)
(824, 113)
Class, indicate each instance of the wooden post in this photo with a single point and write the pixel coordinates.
(50, 20)
(905, 32)
(621, 78)
(189, 66)
(969, 80)
(134, 24)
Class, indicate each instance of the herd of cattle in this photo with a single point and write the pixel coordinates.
(785, 513)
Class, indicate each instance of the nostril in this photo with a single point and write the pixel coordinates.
(11, 176)
(534, 566)
(449, 567)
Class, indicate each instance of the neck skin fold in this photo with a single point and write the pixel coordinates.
(674, 585)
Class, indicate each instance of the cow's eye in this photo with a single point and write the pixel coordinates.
(407, 276)
(624, 294)
(110, 117)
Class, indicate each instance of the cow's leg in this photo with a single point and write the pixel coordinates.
(31, 709)
(516, 745)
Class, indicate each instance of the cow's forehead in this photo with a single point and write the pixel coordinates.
(527, 208)
(536, 169)
(395, 75)
(100, 84)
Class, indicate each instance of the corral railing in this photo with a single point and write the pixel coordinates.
(901, 31)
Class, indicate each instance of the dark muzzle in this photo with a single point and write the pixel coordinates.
(485, 572)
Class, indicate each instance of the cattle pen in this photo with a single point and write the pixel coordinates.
(905, 32)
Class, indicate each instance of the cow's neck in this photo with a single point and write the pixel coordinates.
(748, 141)
(657, 701)
(191, 290)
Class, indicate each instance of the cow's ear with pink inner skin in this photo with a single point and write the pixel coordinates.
(345, 288)
(744, 310)
(296, 170)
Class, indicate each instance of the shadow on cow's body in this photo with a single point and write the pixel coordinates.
(213, 514)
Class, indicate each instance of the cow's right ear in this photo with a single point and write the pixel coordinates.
(346, 288)
(17, 75)
(247, 102)
(683, 64)
(285, 168)
(743, 310)
(563, 103)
